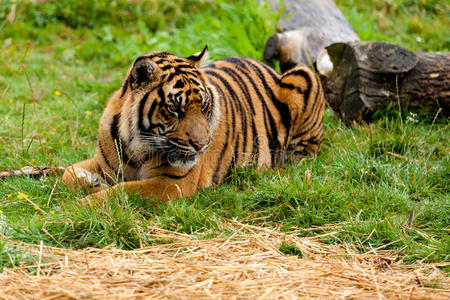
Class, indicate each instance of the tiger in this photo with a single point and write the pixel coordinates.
(176, 126)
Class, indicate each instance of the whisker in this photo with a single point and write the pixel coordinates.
(179, 145)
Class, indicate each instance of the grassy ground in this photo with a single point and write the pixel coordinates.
(61, 63)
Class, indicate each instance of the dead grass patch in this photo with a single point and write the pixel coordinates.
(246, 265)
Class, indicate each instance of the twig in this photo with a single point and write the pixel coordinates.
(11, 260)
(22, 126)
(32, 203)
(398, 101)
(435, 116)
(411, 219)
(40, 258)
(52, 237)
(32, 171)
(29, 85)
(51, 193)
(397, 155)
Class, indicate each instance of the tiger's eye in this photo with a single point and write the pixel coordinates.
(172, 108)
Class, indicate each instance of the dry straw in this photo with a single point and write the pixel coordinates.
(247, 265)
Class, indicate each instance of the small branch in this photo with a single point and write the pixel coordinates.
(32, 171)
(32, 203)
(397, 155)
(411, 219)
(51, 193)
(41, 248)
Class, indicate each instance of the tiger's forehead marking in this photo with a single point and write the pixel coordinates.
(174, 65)
(183, 82)
(185, 91)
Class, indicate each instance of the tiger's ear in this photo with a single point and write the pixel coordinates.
(198, 58)
(142, 72)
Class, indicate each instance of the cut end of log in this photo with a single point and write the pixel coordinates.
(324, 64)
(390, 58)
(368, 76)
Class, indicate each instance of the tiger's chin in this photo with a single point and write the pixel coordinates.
(183, 161)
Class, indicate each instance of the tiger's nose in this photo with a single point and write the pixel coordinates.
(198, 145)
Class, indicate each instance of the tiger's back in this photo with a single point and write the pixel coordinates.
(266, 119)
(175, 126)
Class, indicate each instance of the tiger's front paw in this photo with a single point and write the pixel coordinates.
(95, 199)
(79, 178)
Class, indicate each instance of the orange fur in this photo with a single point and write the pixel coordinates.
(175, 127)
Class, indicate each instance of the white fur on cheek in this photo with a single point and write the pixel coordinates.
(184, 164)
(216, 113)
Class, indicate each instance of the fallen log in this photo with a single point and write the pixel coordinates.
(368, 76)
(305, 29)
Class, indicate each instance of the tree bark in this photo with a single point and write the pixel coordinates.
(368, 76)
(310, 27)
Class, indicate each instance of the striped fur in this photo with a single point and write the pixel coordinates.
(175, 127)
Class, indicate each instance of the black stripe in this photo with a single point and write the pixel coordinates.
(233, 123)
(305, 142)
(230, 91)
(184, 66)
(173, 176)
(305, 131)
(166, 67)
(235, 157)
(307, 91)
(243, 121)
(244, 129)
(171, 76)
(165, 115)
(192, 72)
(290, 86)
(275, 75)
(265, 108)
(192, 80)
(282, 108)
(213, 103)
(272, 136)
(313, 119)
(232, 100)
(108, 163)
(115, 127)
(141, 112)
(274, 144)
(255, 149)
(158, 54)
(120, 143)
(166, 164)
(178, 94)
(243, 108)
(236, 104)
(300, 152)
(150, 113)
(239, 80)
(179, 84)
(216, 179)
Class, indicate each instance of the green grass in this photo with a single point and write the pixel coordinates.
(364, 185)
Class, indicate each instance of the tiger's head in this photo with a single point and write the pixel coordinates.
(174, 110)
